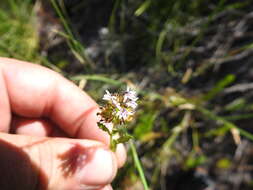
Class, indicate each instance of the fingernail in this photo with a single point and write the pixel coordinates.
(100, 169)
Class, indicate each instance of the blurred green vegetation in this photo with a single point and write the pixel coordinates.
(18, 33)
(191, 63)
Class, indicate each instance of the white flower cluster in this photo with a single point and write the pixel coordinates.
(115, 113)
(124, 104)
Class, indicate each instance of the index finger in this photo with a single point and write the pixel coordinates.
(34, 91)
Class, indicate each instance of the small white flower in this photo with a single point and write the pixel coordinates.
(130, 95)
(132, 104)
(123, 114)
(130, 98)
(109, 97)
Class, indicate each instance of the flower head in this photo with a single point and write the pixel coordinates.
(120, 106)
(118, 110)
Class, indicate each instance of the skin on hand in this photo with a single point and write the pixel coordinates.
(38, 102)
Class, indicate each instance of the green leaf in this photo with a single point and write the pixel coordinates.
(145, 124)
(104, 128)
(223, 163)
(227, 80)
(220, 131)
(144, 6)
(236, 104)
(124, 138)
(194, 161)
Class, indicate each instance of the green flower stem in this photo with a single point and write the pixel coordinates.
(113, 146)
(138, 165)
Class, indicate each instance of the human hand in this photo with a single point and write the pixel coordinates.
(37, 106)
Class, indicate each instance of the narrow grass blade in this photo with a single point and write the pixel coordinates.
(98, 78)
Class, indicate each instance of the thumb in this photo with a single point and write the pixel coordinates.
(29, 162)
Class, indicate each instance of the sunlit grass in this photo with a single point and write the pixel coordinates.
(18, 35)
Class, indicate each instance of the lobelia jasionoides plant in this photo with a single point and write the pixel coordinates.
(116, 113)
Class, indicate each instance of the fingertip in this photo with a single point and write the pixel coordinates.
(121, 155)
(100, 170)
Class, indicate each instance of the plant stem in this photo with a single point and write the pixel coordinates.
(138, 165)
(214, 117)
